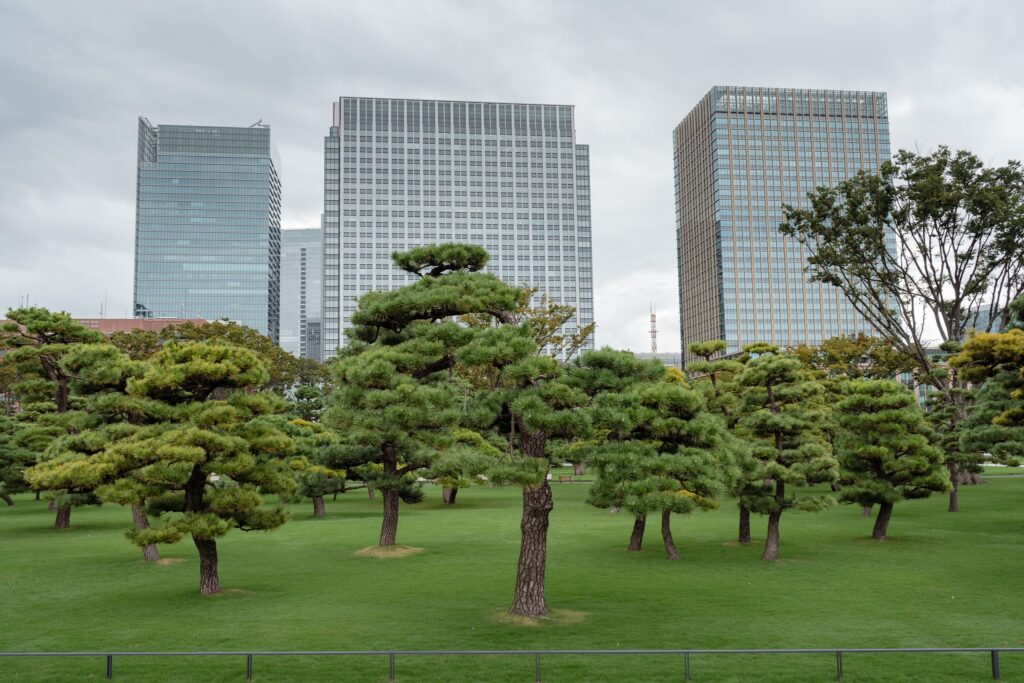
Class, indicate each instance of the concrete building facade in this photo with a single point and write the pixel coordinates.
(403, 173)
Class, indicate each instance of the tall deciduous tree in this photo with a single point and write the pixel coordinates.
(783, 417)
(884, 449)
(931, 242)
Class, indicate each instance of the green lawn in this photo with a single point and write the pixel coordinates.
(999, 469)
(941, 580)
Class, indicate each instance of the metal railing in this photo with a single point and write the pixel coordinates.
(392, 655)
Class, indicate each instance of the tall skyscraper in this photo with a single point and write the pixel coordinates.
(301, 293)
(208, 225)
(404, 173)
(739, 156)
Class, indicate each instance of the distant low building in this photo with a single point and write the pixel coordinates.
(670, 359)
(109, 326)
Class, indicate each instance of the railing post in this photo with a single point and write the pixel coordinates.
(391, 666)
(110, 666)
(248, 667)
(839, 665)
(995, 664)
(686, 665)
(536, 667)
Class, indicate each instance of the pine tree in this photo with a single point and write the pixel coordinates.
(203, 467)
(14, 459)
(717, 379)
(783, 418)
(35, 341)
(884, 449)
(529, 404)
(395, 400)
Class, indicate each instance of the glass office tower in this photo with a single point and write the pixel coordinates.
(739, 156)
(208, 225)
(300, 292)
(404, 173)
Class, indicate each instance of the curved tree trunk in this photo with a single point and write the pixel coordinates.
(529, 595)
(882, 521)
(865, 510)
(448, 494)
(954, 478)
(318, 506)
(370, 492)
(6, 498)
(389, 525)
(771, 542)
(149, 553)
(579, 468)
(666, 534)
(744, 535)
(636, 539)
(209, 582)
(63, 520)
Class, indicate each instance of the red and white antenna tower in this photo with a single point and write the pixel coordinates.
(654, 329)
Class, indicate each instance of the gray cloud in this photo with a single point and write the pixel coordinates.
(75, 76)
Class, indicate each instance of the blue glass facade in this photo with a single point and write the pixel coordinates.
(739, 156)
(208, 225)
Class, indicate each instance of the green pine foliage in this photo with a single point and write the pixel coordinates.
(884, 448)
(783, 417)
(397, 397)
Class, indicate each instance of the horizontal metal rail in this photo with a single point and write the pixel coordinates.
(392, 655)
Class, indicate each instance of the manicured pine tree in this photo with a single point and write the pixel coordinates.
(997, 360)
(314, 446)
(14, 459)
(395, 400)
(994, 430)
(884, 449)
(606, 376)
(716, 379)
(530, 405)
(35, 340)
(782, 415)
(204, 469)
(105, 415)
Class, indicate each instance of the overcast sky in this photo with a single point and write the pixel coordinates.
(75, 75)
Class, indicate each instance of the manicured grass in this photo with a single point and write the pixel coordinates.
(999, 469)
(941, 580)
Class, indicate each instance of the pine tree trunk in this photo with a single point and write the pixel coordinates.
(636, 539)
(744, 535)
(771, 543)
(209, 582)
(579, 468)
(318, 506)
(529, 596)
(865, 510)
(51, 505)
(370, 492)
(63, 517)
(149, 553)
(666, 534)
(6, 498)
(389, 525)
(448, 494)
(37, 495)
(954, 479)
(882, 521)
